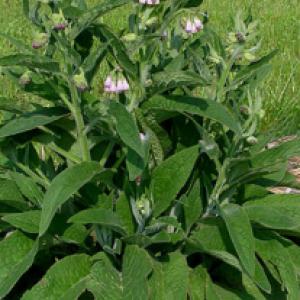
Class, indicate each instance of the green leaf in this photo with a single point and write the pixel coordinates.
(132, 283)
(66, 279)
(197, 106)
(95, 12)
(76, 233)
(169, 279)
(170, 176)
(32, 120)
(64, 185)
(240, 232)
(126, 127)
(27, 221)
(275, 211)
(197, 281)
(123, 210)
(176, 274)
(28, 187)
(30, 61)
(272, 251)
(101, 216)
(17, 253)
(192, 206)
(173, 79)
(120, 52)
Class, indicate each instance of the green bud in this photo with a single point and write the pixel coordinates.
(40, 40)
(25, 78)
(80, 81)
(152, 21)
(130, 37)
(252, 140)
(249, 56)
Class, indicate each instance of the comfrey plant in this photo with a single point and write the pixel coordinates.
(138, 171)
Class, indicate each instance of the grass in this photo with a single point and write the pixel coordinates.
(279, 28)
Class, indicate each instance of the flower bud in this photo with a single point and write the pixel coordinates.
(240, 37)
(252, 140)
(130, 37)
(25, 79)
(59, 21)
(80, 82)
(152, 21)
(40, 40)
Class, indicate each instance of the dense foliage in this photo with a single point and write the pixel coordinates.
(157, 188)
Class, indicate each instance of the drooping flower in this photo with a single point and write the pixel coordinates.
(149, 2)
(116, 84)
(193, 25)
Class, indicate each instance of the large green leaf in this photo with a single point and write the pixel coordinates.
(126, 127)
(95, 12)
(28, 187)
(192, 206)
(29, 121)
(27, 221)
(66, 279)
(170, 176)
(197, 281)
(131, 284)
(17, 253)
(197, 106)
(275, 211)
(240, 232)
(169, 279)
(123, 210)
(271, 250)
(100, 216)
(64, 185)
(31, 61)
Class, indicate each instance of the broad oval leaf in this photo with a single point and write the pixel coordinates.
(269, 248)
(240, 232)
(275, 211)
(32, 120)
(17, 253)
(101, 216)
(197, 106)
(170, 176)
(63, 187)
(66, 279)
(132, 283)
(127, 128)
(27, 221)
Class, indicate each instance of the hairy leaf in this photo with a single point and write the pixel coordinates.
(64, 185)
(240, 231)
(17, 253)
(170, 176)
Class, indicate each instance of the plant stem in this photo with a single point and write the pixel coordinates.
(76, 111)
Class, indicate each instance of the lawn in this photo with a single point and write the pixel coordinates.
(279, 28)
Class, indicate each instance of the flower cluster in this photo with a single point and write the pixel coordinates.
(116, 84)
(149, 2)
(193, 25)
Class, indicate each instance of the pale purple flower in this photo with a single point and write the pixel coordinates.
(189, 26)
(198, 23)
(119, 86)
(108, 82)
(125, 85)
(142, 1)
(113, 88)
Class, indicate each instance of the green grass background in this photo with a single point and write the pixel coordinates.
(279, 28)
